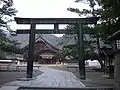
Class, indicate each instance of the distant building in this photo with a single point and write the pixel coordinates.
(44, 49)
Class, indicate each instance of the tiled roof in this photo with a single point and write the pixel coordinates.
(23, 39)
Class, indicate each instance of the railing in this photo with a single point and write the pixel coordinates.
(14, 68)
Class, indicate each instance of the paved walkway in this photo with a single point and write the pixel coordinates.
(51, 78)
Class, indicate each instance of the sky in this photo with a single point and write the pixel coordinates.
(45, 9)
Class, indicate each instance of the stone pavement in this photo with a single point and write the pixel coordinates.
(51, 78)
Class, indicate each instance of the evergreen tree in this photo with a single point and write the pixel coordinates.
(6, 14)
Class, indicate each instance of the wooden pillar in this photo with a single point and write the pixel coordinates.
(31, 51)
(56, 28)
(117, 71)
(51, 61)
(106, 65)
(81, 51)
(109, 70)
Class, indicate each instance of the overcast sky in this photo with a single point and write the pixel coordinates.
(46, 9)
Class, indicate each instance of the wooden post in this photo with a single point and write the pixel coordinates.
(31, 51)
(81, 51)
(56, 28)
(117, 71)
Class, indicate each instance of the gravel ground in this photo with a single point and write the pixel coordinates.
(6, 77)
(93, 79)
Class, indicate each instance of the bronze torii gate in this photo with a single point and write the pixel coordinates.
(56, 21)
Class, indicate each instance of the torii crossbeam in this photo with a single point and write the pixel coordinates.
(56, 21)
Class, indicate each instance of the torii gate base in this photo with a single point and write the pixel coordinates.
(56, 21)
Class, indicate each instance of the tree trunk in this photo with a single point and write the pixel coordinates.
(98, 47)
(117, 71)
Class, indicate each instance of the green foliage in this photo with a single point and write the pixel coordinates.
(89, 45)
(109, 14)
(108, 11)
(7, 45)
(2, 54)
(72, 28)
(85, 12)
(71, 51)
(6, 13)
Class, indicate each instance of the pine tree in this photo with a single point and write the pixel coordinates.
(6, 14)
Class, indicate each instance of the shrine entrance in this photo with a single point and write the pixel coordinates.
(45, 59)
(55, 21)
